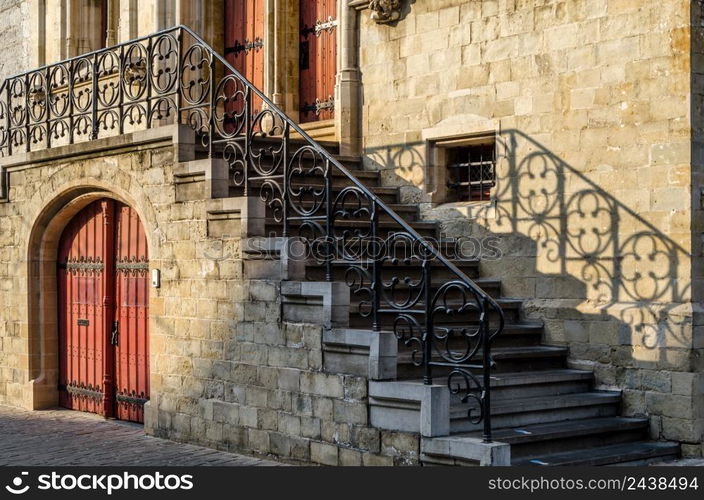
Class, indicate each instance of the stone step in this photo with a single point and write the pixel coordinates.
(316, 272)
(408, 285)
(318, 130)
(521, 334)
(638, 453)
(538, 383)
(510, 307)
(548, 438)
(528, 411)
(407, 212)
(470, 267)
(196, 179)
(387, 194)
(314, 178)
(409, 282)
(507, 359)
(332, 147)
(425, 229)
(308, 176)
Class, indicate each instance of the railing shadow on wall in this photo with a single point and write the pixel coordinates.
(608, 256)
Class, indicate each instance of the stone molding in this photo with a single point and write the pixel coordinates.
(410, 406)
(465, 448)
(365, 353)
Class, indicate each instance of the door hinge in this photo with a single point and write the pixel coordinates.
(245, 46)
(319, 27)
(318, 106)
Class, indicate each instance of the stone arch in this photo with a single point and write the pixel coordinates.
(47, 225)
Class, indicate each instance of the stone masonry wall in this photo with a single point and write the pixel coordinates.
(14, 32)
(225, 371)
(590, 104)
(258, 386)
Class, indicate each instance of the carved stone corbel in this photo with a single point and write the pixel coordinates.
(385, 11)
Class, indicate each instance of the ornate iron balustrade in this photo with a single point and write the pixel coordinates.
(112, 91)
(174, 76)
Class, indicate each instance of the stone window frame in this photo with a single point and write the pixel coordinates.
(461, 131)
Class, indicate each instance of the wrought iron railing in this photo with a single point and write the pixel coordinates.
(174, 76)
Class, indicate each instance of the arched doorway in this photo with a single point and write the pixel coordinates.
(102, 273)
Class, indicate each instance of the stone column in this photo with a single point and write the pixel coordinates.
(275, 46)
(37, 31)
(283, 57)
(127, 24)
(347, 82)
(70, 39)
(205, 18)
(113, 7)
(164, 15)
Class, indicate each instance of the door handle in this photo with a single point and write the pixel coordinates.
(115, 334)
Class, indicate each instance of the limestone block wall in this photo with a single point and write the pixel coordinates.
(597, 202)
(258, 385)
(14, 30)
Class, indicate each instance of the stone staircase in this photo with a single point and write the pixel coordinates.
(543, 412)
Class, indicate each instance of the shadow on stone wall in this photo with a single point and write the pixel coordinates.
(573, 238)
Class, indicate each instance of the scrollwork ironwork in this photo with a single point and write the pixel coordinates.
(83, 265)
(132, 266)
(83, 391)
(131, 398)
(320, 27)
(319, 106)
(174, 77)
(245, 46)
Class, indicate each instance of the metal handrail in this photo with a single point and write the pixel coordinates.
(80, 116)
(389, 211)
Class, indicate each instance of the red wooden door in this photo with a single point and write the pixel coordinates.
(83, 316)
(318, 59)
(103, 349)
(131, 316)
(244, 38)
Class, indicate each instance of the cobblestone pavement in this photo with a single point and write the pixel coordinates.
(63, 437)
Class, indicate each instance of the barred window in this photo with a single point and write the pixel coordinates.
(471, 172)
